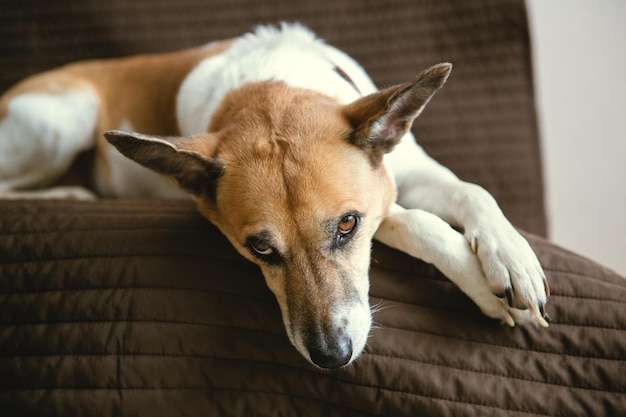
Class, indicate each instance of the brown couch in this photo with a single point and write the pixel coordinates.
(136, 308)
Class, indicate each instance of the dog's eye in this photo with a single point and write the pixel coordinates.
(347, 224)
(345, 229)
(262, 247)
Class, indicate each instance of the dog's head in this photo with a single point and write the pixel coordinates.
(296, 182)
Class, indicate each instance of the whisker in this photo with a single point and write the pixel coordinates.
(379, 306)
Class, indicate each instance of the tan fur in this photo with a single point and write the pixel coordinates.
(126, 87)
(140, 90)
(291, 136)
(284, 166)
(290, 167)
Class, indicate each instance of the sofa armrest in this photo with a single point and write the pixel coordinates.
(119, 308)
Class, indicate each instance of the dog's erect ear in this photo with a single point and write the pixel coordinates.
(187, 160)
(380, 120)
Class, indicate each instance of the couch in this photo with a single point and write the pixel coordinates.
(141, 307)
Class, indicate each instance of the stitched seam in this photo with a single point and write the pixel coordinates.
(194, 388)
(152, 321)
(351, 384)
(415, 303)
(123, 255)
(554, 322)
(577, 297)
(139, 287)
(188, 229)
(484, 372)
(577, 274)
(105, 230)
(343, 380)
(480, 342)
(444, 278)
(237, 262)
(243, 262)
(267, 301)
(515, 348)
(271, 301)
(308, 398)
(190, 323)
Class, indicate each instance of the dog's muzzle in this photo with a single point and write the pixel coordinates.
(337, 340)
(328, 320)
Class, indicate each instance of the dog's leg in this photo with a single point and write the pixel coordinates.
(40, 135)
(426, 236)
(510, 267)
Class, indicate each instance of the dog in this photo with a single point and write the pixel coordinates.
(290, 150)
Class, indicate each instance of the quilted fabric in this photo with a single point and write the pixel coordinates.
(142, 308)
(481, 124)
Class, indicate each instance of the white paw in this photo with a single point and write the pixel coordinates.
(513, 273)
(499, 308)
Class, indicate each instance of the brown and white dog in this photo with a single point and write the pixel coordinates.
(288, 148)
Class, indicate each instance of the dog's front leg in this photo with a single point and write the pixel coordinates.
(510, 266)
(426, 236)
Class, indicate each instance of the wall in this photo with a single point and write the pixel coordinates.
(580, 74)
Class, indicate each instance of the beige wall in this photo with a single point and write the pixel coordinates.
(580, 74)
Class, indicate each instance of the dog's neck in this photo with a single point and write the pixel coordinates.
(292, 55)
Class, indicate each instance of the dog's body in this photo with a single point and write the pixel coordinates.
(287, 148)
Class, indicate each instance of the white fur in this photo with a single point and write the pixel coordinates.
(291, 54)
(128, 179)
(124, 178)
(42, 134)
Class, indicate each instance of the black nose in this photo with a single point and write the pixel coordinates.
(335, 356)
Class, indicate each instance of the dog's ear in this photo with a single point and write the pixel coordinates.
(187, 160)
(380, 120)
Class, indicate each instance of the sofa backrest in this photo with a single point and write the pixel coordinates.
(482, 124)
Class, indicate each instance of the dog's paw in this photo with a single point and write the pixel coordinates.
(513, 273)
(499, 309)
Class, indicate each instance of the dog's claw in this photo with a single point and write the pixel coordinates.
(538, 316)
(546, 286)
(474, 244)
(508, 319)
(513, 273)
(509, 295)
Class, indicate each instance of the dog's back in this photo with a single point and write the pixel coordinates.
(48, 119)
